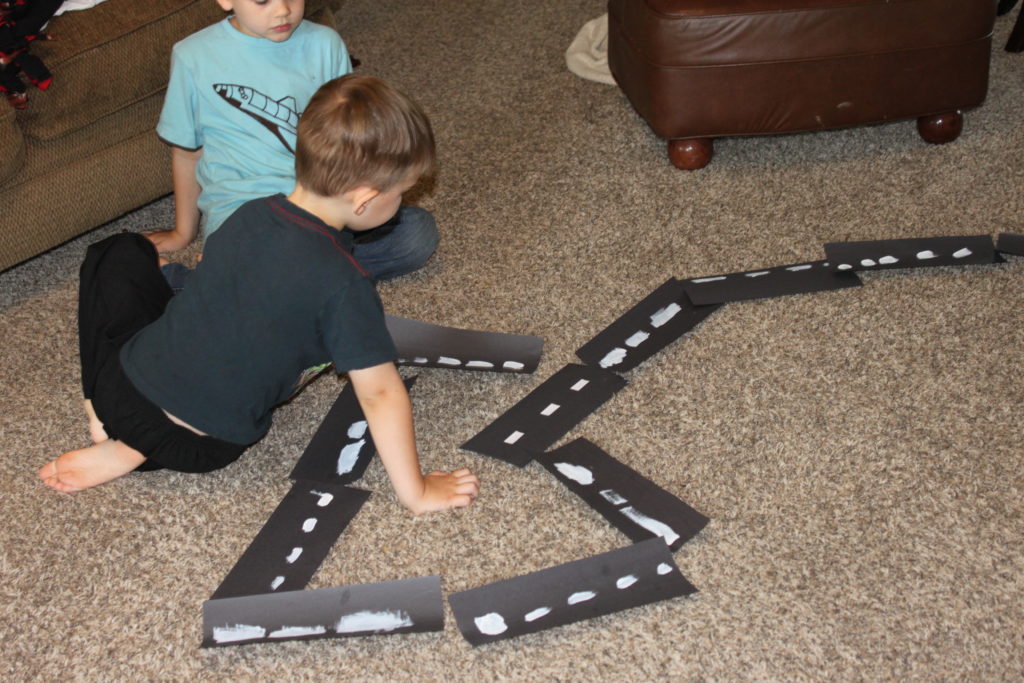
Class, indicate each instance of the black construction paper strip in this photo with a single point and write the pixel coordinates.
(1011, 243)
(546, 414)
(629, 577)
(910, 253)
(663, 316)
(403, 606)
(295, 540)
(635, 505)
(799, 278)
(427, 345)
(341, 448)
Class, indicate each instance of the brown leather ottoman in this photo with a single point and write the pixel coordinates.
(700, 69)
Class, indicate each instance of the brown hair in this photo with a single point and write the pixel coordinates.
(358, 130)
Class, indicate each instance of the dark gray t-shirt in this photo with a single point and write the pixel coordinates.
(277, 296)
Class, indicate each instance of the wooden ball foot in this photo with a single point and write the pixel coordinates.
(941, 128)
(691, 153)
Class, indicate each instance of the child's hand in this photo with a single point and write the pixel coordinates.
(444, 490)
(167, 241)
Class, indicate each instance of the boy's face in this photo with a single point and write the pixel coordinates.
(381, 208)
(274, 20)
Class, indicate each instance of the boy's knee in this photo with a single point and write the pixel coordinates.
(419, 234)
(124, 247)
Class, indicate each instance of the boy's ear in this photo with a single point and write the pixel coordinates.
(225, 5)
(361, 198)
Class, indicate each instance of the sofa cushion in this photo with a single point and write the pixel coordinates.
(685, 33)
(11, 143)
(100, 60)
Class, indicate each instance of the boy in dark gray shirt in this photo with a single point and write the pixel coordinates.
(189, 382)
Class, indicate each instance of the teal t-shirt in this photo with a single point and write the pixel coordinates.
(239, 98)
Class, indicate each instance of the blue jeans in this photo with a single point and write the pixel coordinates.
(398, 247)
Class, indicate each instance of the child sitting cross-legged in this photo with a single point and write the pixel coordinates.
(188, 382)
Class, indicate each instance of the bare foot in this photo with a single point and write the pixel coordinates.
(92, 466)
(96, 431)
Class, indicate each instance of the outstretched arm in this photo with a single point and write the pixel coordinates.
(388, 411)
(186, 202)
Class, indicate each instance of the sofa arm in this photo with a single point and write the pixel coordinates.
(12, 146)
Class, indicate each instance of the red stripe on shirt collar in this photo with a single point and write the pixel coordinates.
(302, 222)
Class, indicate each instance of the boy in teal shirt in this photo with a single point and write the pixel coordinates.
(236, 92)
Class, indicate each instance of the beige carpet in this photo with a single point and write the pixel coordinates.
(858, 452)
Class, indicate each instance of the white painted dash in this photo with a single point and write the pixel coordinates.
(491, 624)
(551, 408)
(578, 473)
(233, 634)
(297, 631)
(663, 315)
(534, 615)
(357, 430)
(637, 339)
(513, 437)
(581, 596)
(626, 581)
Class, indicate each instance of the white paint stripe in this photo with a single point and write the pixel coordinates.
(297, 631)
(349, 456)
(512, 365)
(491, 624)
(294, 555)
(613, 357)
(445, 360)
(233, 634)
(664, 568)
(888, 260)
(581, 596)
(325, 498)
(357, 430)
(578, 473)
(579, 385)
(702, 280)
(536, 614)
(651, 524)
(276, 583)
(479, 364)
(663, 315)
(612, 497)
(867, 263)
(513, 437)
(373, 622)
(309, 524)
(552, 407)
(962, 253)
(637, 339)
(926, 254)
(794, 269)
(844, 266)
(757, 273)
(626, 581)
(421, 360)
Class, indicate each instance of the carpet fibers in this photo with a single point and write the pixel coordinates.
(858, 452)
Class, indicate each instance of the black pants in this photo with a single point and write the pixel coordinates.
(121, 291)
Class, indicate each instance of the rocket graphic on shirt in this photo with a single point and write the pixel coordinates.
(280, 117)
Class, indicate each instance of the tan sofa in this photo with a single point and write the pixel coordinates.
(85, 152)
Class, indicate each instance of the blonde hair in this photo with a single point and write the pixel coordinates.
(359, 131)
